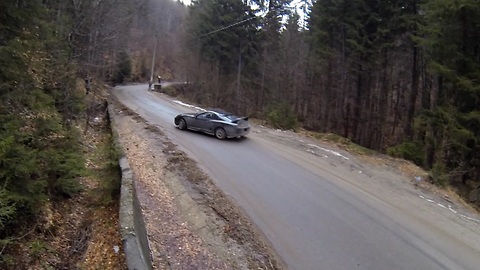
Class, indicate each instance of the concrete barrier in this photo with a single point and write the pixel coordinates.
(132, 227)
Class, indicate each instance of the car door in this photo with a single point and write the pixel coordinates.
(204, 122)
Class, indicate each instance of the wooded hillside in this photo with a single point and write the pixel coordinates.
(54, 54)
(398, 76)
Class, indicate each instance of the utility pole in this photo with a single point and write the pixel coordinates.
(153, 59)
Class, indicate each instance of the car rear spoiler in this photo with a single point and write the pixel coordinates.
(241, 118)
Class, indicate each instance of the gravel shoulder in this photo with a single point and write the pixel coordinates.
(190, 223)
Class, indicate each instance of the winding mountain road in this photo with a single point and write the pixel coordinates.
(316, 210)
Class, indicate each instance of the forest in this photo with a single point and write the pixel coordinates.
(401, 77)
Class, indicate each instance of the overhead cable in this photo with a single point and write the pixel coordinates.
(226, 27)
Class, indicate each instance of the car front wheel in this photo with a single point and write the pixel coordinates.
(220, 133)
(182, 124)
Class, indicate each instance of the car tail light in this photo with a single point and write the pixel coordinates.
(243, 124)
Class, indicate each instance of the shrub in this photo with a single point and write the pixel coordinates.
(439, 175)
(37, 248)
(107, 173)
(124, 67)
(282, 116)
(170, 91)
(409, 151)
(112, 183)
(7, 208)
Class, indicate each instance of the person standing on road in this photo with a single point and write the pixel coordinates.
(159, 83)
(88, 81)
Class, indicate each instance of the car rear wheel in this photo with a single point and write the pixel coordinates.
(182, 124)
(220, 133)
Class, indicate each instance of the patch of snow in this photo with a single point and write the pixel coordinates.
(329, 151)
(469, 218)
(188, 105)
(451, 209)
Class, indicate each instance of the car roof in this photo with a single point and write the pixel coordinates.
(219, 111)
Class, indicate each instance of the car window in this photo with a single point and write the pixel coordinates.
(205, 116)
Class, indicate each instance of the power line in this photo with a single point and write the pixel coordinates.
(226, 27)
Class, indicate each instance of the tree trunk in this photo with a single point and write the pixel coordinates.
(413, 95)
(358, 105)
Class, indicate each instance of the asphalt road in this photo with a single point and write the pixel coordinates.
(315, 219)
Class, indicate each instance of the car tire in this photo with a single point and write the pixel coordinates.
(220, 133)
(182, 124)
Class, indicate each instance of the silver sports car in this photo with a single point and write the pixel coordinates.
(221, 124)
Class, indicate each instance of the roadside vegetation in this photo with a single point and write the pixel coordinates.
(58, 191)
